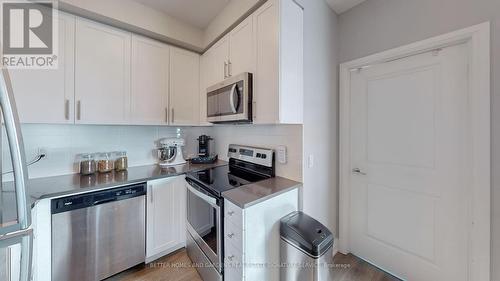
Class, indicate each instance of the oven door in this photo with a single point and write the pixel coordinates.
(204, 222)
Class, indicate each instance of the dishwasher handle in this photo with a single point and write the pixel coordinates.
(98, 202)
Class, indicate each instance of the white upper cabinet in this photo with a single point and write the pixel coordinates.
(204, 84)
(278, 78)
(184, 87)
(102, 74)
(47, 96)
(242, 48)
(149, 83)
(218, 61)
(268, 44)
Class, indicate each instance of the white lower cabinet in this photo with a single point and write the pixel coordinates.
(165, 217)
(252, 237)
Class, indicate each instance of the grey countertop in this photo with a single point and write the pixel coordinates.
(49, 187)
(251, 194)
(57, 186)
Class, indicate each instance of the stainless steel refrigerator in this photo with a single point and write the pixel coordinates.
(16, 234)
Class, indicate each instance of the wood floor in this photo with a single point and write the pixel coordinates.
(176, 267)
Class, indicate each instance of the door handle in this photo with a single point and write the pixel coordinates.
(234, 109)
(358, 171)
(151, 193)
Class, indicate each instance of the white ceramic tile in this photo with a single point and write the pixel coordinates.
(64, 142)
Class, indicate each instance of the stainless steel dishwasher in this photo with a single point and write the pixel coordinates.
(96, 235)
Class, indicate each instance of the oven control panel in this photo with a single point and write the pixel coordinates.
(256, 155)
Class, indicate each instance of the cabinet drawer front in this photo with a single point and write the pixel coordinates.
(233, 213)
(233, 234)
(233, 269)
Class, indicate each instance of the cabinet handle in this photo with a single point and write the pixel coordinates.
(79, 110)
(151, 193)
(229, 69)
(230, 235)
(166, 115)
(225, 70)
(66, 109)
(173, 115)
(230, 213)
(254, 110)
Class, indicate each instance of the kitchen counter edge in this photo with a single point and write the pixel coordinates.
(66, 185)
(254, 193)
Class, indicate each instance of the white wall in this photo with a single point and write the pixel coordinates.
(320, 113)
(378, 25)
(64, 142)
(136, 14)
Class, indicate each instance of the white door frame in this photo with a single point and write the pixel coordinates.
(478, 39)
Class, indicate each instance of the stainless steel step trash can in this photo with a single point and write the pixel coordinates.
(306, 249)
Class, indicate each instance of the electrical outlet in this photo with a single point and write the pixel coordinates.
(281, 150)
(310, 161)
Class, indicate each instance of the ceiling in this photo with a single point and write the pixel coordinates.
(341, 6)
(198, 13)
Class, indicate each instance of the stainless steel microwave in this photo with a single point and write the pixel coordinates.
(231, 100)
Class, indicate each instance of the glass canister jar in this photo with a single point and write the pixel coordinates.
(105, 163)
(87, 164)
(121, 161)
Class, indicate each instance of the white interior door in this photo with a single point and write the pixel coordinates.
(408, 208)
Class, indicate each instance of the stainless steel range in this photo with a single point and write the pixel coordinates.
(205, 204)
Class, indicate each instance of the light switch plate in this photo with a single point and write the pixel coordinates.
(281, 150)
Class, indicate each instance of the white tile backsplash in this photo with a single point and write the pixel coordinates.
(268, 136)
(63, 142)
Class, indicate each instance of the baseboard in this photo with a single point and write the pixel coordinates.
(164, 253)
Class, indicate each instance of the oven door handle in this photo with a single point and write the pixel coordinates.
(210, 200)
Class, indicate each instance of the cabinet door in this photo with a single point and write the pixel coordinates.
(149, 82)
(242, 48)
(204, 75)
(219, 59)
(266, 79)
(165, 223)
(47, 96)
(184, 87)
(102, 78)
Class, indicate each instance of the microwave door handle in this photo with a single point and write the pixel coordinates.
(16, 147)
(231, 98)
(210, 200)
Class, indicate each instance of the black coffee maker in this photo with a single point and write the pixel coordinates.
(204, 145)
(206, 154)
